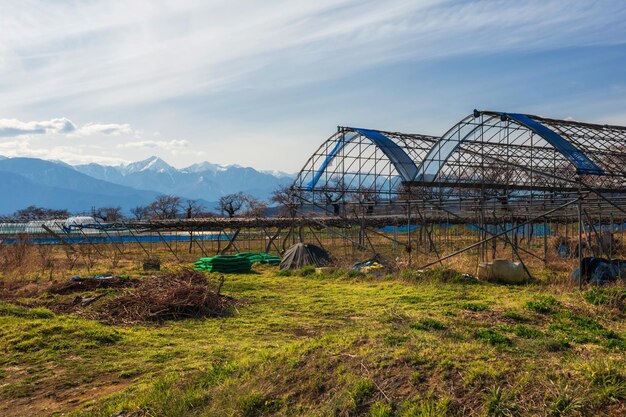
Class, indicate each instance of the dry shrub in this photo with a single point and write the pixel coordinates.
(599, 244)
(183, 294)
(14, 289)
(555, 243)
(15, 255)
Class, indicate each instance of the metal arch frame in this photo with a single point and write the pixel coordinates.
(372, 159)
(492, 158)
(424, 166)
(442, 151)
(400, 160)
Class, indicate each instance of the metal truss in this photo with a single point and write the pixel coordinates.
(506, 163)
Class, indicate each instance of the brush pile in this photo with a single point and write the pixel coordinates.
(177, 295)
(82, 284)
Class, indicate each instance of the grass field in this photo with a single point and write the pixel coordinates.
(331, 344)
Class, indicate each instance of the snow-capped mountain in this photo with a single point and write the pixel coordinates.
(153, 164)
(56, 184)
(279, 174)
(29, 181)
(203, 180)
(204, 166)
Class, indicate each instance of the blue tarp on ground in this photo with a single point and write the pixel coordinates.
(401, 229)
(538, 229)
(599, 271)
(119, 239)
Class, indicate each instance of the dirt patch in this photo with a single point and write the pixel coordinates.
(53, 397)
(492, 316)
(13, 289)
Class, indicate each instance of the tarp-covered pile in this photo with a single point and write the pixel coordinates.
(599, 271)
(240, 263)
(304, 254)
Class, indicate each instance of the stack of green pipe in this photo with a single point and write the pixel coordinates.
(228, 264)
(240, 263)
(263, 258)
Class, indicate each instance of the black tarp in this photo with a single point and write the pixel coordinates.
(599, 271)
(303, 254)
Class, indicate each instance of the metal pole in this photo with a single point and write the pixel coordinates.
(545, 242)
(408, 221)
(580, 242)
(495, 236)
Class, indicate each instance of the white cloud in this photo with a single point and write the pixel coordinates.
(155, 64)
(70, 154)
(14, 127)
(57, 139)
(112, 129)
(168, 145)
(140, 51)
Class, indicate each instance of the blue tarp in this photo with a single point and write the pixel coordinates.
(448, 144)
(401, 229)
(397, 156)
(583, 164)
(599, 271)
(118, 239)
(538, 229)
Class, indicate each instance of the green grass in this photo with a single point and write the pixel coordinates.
(428, 324)
(324, 344)
(474, 306)
(613, 297)
(542, 304)
(17, 311)
(493, 337)
(527, 332)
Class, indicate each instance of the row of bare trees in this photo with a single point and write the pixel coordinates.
(230, 205)
(173, 207)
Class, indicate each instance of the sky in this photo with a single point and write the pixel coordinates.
(264, 83)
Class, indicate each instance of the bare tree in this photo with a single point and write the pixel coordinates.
(256, 207)
(193, 209)
(165, 207)
(286, 200)
(231, 204)
(108, 214)
(367, 198)
(334, 193)
(140, 212)
(41, 213)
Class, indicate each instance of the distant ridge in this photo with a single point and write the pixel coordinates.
(203, 180)
(78, 188)
(30, 181)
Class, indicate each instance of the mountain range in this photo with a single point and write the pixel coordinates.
(78, 188)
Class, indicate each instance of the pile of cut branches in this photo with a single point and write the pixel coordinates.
(171, 296)
(81, 284)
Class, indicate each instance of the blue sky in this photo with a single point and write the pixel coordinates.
(262, 84)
